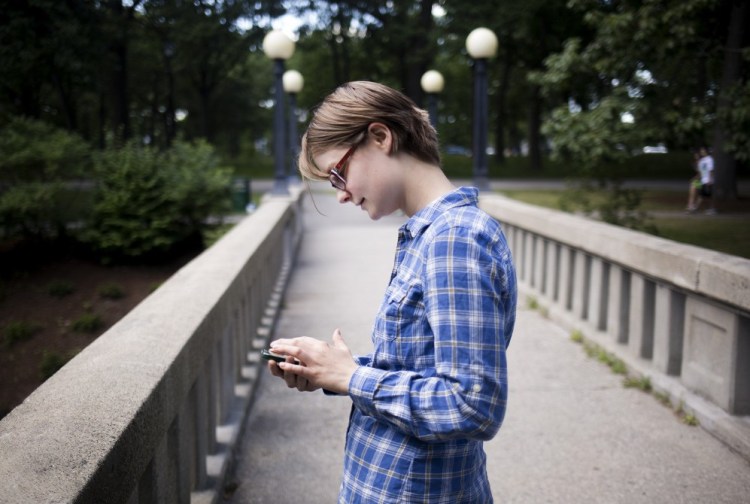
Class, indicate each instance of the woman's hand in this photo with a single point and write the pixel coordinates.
(292, 380)
(320, 364)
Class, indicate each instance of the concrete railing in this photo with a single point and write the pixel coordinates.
(675, 313)
(151, 410)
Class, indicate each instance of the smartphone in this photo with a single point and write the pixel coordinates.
(269, 355)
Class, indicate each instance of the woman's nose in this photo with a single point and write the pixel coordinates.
(343, 196)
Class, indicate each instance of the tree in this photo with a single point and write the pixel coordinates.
(393, 42)
(37, 160)
(730, 132)
(527, 31)
(46, 56)
(659, 65)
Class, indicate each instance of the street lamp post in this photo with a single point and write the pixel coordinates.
(293, 83)
(432, 83)
(279, 48)
(481, 45)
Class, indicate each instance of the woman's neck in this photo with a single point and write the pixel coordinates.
(424, 183)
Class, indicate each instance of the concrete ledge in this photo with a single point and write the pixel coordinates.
(719, 276)
(93, 430)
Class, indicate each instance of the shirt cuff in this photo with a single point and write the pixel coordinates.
(362, 388)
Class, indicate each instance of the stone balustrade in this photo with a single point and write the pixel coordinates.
(676, 313)
(151, 410)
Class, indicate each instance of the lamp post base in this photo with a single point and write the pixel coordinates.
(279, 130)
(280, 187)
(481, 182)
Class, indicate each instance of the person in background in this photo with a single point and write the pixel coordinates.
(435, 386)
(701, 186)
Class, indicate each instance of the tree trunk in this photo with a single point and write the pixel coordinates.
(66, 101)
(335, 60)
(725, 171)
(419, 54)
(119, 76)
(535, 126)
(502, 113)
(205, 103)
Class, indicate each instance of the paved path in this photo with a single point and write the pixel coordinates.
(572, 434)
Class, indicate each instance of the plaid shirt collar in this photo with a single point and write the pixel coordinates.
(463, 196)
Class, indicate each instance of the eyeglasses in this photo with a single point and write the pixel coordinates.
(336, 177)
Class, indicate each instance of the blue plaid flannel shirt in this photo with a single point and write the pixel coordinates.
(436, 385)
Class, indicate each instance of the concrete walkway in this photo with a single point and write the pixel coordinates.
(572, 434)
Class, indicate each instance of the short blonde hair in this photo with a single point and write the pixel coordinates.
(341, 120)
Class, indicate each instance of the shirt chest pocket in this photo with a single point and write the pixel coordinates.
(402, 311)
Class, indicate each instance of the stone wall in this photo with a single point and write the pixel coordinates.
(151, 410)
(676, 313)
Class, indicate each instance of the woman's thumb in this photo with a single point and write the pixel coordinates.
(338, 339)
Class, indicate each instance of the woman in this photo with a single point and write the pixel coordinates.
(435, 387)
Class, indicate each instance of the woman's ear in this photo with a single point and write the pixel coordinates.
(381, 136)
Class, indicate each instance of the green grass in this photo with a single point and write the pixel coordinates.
(730, 235)
(543, 198)
(642, 383)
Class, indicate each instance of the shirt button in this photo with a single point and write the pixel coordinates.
(476, 388)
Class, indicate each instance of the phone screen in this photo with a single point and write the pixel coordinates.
(269, 355)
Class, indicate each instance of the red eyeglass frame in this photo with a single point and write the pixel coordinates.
(336, 176)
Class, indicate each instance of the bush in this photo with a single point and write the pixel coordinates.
(111, 291)
(147, 201)
(88, 323)
(51, 363)
(60, 289)
(19, 330)
(36, 160)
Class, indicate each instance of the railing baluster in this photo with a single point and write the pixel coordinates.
(202, 428)
(669, 326)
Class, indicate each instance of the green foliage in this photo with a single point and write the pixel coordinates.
(642, 383)
(589, 138)
(736, 119)
(600, 143)
(608, 201)
(19, 330)
(690, 419)
(215, 234)
(51, 363)
(147, 202)
(199, 187)
(111, 291)
(60, 288)
(532, 303)
(597, 352)
(32, 151)
(36, 160)
(687, 418)
(663, 398)
(650, 72)
(88, 323)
